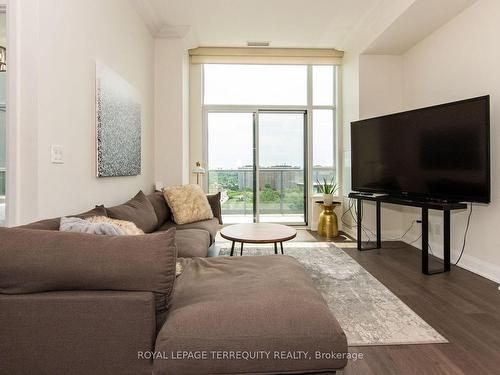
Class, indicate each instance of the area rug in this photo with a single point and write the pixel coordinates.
(369, 313)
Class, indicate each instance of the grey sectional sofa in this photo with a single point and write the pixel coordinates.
(73, 303)
(152, 214)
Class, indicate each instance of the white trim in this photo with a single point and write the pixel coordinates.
(12, 131)
(468, 262)
(480, 267)
(339, 129)
(149, 16)
(310, 137)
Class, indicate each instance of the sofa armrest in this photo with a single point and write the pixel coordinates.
(99, 332)
(33, 261)
(214, 200)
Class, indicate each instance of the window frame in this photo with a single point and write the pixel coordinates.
(308, 108)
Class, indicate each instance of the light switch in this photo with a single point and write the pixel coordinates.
(56, 154)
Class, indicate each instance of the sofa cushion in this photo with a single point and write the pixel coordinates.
(188, 203)
(252, 304)
(161, 207)
(34, 261)
(53, 224)
(211, 226)
(139, 210)
(192, 243)
(214, 200)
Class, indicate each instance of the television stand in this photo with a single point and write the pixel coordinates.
(426, 205)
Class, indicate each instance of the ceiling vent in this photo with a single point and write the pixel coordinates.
(258, 44)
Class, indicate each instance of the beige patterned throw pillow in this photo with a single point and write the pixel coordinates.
(126, 227)
(188, 203)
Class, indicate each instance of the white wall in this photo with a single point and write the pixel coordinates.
(56, 45)
(355, 84)
(380, 85)
(379, 91)
(195, 118)
(172, 111)
(461, 60)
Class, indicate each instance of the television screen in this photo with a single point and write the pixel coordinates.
(438, 152)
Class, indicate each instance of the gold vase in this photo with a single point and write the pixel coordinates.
(328, 224)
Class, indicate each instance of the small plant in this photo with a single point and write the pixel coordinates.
(327, 187)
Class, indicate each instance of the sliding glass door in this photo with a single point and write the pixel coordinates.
(281, 167)
(257, 160)
(231, 169)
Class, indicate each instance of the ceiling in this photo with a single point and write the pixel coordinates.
(414, 24)
(300, 23)
(283, 23)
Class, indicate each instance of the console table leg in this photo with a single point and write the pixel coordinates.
(241, 250)
(379, 236)
(446, 239)
(425, 241)
(358, 219)
(275, 248)
(232, 248)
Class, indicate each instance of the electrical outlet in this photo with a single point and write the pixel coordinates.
(56, 154)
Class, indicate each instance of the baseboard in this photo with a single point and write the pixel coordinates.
(468, 262)
(471, 263)
(480, 267)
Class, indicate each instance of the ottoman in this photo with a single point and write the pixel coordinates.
(248, 315)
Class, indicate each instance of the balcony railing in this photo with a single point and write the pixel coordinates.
(281, 189)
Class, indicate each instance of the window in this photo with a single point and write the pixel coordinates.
(258, 120)
(323, 146)
(323, 121)
(323, 85)
(255, 84)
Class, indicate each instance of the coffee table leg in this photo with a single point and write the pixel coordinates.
(281, 244)
(275, 248)
(241, 250)
(232, 248)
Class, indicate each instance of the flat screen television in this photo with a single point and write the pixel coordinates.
(440, 152)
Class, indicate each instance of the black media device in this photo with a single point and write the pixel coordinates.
(434, 153)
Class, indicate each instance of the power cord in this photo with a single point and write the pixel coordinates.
(465, 235)
(367, 231)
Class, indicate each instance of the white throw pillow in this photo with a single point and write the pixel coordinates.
(127, 228)
(188, 203)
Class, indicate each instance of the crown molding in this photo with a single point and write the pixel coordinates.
(150, 17)
(173, 31)
(156, 25)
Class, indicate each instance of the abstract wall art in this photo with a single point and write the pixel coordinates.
(118, 125)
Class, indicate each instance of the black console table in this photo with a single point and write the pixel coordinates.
(446, 207)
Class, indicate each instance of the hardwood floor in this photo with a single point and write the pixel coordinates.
(463, 307)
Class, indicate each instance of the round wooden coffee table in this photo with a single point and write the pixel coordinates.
(258, 233)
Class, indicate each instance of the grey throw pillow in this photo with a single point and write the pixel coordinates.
(75, 224)
(138, 210)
